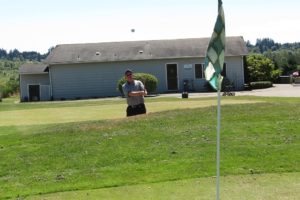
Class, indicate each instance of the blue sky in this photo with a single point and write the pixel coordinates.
(37, 25)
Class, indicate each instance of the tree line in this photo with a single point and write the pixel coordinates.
(268, 44)
(23, 56)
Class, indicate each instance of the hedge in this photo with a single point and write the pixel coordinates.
(261, 84)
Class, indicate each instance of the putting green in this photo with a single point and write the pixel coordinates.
(100, 112)
(243, 187)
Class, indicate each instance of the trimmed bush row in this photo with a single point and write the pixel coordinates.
(261, 84)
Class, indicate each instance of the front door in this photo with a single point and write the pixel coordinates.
(172, 79)
(34, 92)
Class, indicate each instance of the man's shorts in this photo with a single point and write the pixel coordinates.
(136, 110)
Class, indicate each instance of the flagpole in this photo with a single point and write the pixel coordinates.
(218, 143)
(213, 67)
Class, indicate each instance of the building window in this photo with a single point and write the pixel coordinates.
(199, 71)
(223, 73)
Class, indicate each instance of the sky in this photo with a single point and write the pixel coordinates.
(37, 25)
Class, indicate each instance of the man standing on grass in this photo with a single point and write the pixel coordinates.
(134, 91)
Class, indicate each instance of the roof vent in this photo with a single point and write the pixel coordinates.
(141, 51)
(98, 53)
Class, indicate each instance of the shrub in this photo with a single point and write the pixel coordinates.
(260, 68)
(261, 84)
(9, 87)
(5, 91)
(275, 74)
(227, 85)
(149, 80)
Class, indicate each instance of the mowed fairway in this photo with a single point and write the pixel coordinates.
(89, 150)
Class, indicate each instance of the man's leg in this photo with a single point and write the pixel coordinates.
(129, 111)
(141, 109)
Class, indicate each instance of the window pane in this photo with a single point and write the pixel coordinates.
(198, 71)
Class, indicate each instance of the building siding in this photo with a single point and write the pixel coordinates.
(235, 72)
(95, 80)
(31, 79)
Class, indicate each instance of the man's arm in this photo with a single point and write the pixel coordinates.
(142, 92)
(137, 93)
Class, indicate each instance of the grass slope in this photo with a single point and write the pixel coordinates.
(179, 144)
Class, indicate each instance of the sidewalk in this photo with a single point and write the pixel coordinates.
(278, 90)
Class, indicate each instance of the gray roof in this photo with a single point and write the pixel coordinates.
(33, 68)
(140, 50)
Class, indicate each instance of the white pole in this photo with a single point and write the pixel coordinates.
(218, 143)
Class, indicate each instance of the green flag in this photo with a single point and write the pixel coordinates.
(215, 52)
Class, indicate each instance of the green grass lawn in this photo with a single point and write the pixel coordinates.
(174, 142)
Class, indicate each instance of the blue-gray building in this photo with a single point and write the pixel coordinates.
(76, 71)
